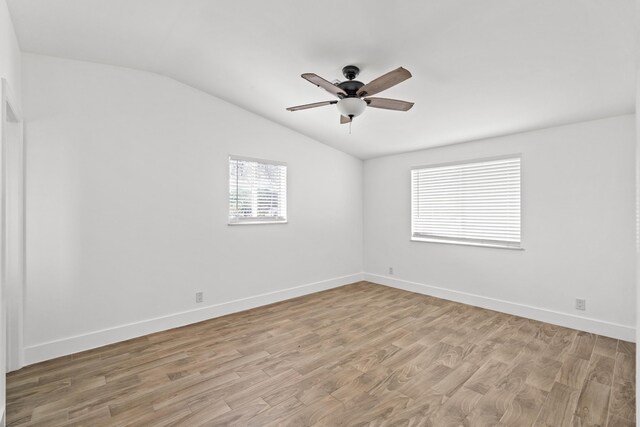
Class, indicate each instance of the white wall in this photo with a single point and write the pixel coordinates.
(9, 53)
(578, 229)
(126, 200)
(637, 202)
(638, 238)
(13, 162)
(127, 186)
(10, 71)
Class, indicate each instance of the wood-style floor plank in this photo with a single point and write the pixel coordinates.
(559, 406)
(362, 354)
(593, 404)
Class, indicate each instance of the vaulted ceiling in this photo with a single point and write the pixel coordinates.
(480, 68)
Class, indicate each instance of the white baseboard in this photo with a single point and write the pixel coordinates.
(600, 327)
(62, 347)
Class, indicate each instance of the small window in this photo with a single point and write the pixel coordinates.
(475, 203)
(257, 191)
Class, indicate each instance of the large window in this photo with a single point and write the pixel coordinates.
(475, 203)
(257, 191)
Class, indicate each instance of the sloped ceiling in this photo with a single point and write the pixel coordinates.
(480, 68)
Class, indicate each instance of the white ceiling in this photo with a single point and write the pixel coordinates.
(480, 68)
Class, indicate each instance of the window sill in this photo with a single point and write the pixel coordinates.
(463, 243)
(256, 222)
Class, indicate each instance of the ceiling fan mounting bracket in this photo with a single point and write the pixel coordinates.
(350, 72)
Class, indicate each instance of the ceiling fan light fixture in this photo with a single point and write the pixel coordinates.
(351, 107)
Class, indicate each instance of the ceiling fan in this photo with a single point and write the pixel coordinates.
(354, 96)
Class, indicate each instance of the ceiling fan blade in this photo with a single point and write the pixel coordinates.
(384, 82)
(344, 119)
(389, 104)
(314, 105)
(324, 84)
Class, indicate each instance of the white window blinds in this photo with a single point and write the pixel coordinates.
(257, 191)
(469, 203)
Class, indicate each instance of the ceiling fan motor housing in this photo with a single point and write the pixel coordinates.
(351, 86)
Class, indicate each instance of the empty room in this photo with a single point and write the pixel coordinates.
(295, 213)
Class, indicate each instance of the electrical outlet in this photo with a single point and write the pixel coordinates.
(581, 304)
(199, 297)
(391, 270)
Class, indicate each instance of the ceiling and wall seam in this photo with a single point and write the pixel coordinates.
(478, 70)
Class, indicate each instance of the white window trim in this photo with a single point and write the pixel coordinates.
(256, 221)
(464, 242)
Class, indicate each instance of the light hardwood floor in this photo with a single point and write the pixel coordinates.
(355, 355)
